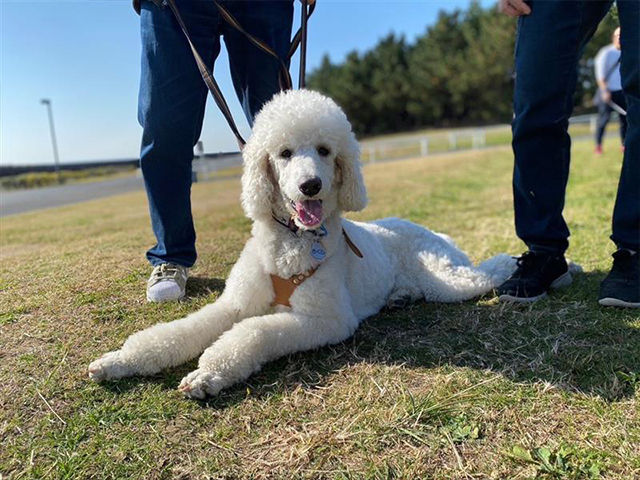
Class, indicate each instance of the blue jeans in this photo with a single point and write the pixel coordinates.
(172, 100)
(549, 43)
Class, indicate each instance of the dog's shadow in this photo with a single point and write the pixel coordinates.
(567, 340)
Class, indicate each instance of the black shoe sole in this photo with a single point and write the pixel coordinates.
(562, 281)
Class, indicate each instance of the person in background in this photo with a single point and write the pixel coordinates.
(607, 70)
(171, 109)
(550, 40)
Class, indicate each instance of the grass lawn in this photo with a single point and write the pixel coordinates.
(472, 390)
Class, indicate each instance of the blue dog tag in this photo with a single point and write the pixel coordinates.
(317, 251)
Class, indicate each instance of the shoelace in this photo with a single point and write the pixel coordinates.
(166, 270)
(526, 261)
(528, 265)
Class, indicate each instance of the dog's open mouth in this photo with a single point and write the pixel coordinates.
(309, 212)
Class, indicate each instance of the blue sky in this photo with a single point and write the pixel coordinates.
(84, 55)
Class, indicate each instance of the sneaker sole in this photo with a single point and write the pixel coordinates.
(562, 281)
(149, 299)
(616, 302)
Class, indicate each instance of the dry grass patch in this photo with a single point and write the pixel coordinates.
(473, 390)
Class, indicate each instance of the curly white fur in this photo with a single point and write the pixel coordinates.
(241, 332)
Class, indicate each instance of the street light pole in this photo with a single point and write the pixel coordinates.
(54, 142)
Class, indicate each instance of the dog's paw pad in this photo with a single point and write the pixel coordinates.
(108, 367)
(200, 383)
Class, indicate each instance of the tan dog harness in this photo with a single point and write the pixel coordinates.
(283, 288)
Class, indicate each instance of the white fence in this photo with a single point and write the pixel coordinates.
(426, 143)
(421, 144)
(206, 168)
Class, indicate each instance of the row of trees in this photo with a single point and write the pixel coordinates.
(458, 72)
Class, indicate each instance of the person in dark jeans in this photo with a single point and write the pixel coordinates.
(551, 37)
(604, 116)
(607, 72)
(172, 104)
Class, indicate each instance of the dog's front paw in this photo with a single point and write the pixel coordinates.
(108, 367)
(200, 383)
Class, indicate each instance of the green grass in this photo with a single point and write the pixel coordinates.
(472, 390)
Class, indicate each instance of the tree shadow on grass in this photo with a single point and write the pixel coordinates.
(567, 340)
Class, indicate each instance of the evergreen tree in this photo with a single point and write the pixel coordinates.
(458, 72)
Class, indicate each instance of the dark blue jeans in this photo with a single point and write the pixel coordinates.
(173, 95)
(549, 43)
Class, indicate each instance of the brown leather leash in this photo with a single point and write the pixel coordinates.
(283, 287)
(284, 77)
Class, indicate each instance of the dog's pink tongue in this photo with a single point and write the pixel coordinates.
(309, 212)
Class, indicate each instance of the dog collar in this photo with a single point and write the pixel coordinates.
(297, 231)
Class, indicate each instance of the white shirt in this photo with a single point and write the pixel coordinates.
(605, 60)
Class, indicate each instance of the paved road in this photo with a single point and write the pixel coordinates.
(20, 201)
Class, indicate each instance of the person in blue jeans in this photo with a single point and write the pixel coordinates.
(550, 39)
(171, 109)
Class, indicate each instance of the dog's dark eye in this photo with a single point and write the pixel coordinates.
(324, 151)
(286, 153)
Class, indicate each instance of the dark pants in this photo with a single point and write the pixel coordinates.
(549, 43)
(173, 95)
(604, 115)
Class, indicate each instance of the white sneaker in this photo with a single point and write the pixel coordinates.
(167, 283)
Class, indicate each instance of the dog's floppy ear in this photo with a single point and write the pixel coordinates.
(257, 186)
(352, 196)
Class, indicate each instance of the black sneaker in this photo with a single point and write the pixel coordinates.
(536, 274)
(621, 288)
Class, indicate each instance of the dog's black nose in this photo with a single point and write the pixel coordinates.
(311, 187)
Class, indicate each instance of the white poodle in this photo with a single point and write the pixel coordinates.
(307, 277)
